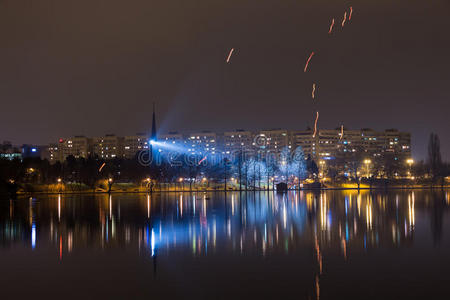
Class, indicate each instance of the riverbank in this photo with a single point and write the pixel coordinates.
(73, 188)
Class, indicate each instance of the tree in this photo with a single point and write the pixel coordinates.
(298, 165)
(434, 156)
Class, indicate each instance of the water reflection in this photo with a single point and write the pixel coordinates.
(207, 224)
(239, 222)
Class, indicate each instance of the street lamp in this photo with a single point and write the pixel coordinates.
(410, 162)
(110, 183)
(59, 180)
(147, 181)
(181, 183)
(322, 164)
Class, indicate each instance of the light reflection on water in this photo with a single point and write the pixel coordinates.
(324, 228)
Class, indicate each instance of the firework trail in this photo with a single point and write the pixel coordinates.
(342, 132)
(307, 62)
(101, 168)
(351, 13)
(331, 26)
(313, 91)
(229, 55)
(345, 18)
(202, 160)
(315, 124)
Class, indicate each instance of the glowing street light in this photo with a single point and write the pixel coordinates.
(410, 162)
(59, 180)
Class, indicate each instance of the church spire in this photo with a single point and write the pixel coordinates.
(153, 136)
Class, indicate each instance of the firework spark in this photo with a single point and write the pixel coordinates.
(313, 94)
(342, 132)
(202, 160)
(331, 26)
(229, 55)
(307, 62)
(315, 125)
(345, 18)
(99, 170)
(351, 13)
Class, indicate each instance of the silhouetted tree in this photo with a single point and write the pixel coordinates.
(434, 157)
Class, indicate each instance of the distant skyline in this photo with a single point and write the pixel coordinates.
(82, 67)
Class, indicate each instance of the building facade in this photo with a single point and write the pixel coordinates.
(134, 144)
(329, 147)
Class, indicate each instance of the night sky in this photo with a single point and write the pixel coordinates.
(91, 67)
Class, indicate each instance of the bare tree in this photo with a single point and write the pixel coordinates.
(434, 157)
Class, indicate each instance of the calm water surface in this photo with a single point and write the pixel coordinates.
(301, 245)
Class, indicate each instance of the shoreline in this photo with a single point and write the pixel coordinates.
(85, 192)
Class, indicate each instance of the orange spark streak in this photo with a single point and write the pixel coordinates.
(315, 124)
(101, 168)
(331, 26)
(202, 160)
(351, 13)
(342, 132)
(307, 62)
(317, 287)
(345, 18)
(314, 91)
(60, 247)
(229, 55)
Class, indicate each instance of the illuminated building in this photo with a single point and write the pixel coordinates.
(172, 137)
(54, 153)
(108, 146)
(8, 151)
(328, 145)
(202, 142)
(235, 141)
(78, 146)
(275, 140)
(134, 144)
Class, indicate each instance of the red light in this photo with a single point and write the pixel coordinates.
(61, 140)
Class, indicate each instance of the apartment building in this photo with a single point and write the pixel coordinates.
(134, 144)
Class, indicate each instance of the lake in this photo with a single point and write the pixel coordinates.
(299, 245)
